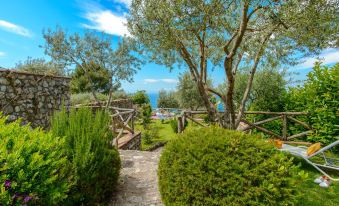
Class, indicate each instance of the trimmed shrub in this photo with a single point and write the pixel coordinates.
(95, 163)
(213, 166)
(33, 166)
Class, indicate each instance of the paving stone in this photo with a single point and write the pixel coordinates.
(138, 182)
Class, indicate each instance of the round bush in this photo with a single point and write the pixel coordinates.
(213, 166)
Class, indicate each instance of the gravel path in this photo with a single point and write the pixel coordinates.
(138, 183)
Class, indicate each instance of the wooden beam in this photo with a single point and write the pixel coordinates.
(121, 113)
(262, 122)
(300, 134)
(195, 121)
(284, 128)
(180, 126)
(262, 129)
(300, 122)
(277, 113)
(300, 143)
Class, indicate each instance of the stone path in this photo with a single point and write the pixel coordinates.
(138, 183)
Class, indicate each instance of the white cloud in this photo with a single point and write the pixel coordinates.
(151, 81)
(7, 26)
(328, 56)
(2, 54)
(106, 21)
(125, 2)
(168, 81)
(171, 81)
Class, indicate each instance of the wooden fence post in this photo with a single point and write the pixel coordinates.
(180, 127)
(284, 129)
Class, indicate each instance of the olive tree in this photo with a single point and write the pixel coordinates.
(90, 49)
(228, 33)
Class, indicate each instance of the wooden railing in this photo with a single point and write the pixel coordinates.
(246, 124)
(285, 117)
(122, 122)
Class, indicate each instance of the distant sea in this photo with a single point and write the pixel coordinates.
(153, 97)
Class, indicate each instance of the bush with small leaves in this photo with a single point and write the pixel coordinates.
(34, 169)
(213, 166)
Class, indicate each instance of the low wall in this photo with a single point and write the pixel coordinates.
(32, 97)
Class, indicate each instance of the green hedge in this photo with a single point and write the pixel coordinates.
(94, 162)
(213, 166)
(33, 167)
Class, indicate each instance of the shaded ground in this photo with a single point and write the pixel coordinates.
(138, 183)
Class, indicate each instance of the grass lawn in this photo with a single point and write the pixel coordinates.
(312, 194)
(165, 133)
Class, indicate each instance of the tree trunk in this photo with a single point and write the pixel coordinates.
(229, 116)
(109, 94)
(208, 104)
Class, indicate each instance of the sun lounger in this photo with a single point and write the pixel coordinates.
(329, 163)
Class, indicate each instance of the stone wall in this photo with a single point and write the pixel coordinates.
(32, 97)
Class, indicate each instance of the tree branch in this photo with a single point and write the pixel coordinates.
(251, 77)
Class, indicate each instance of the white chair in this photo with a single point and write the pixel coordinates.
(301, 151)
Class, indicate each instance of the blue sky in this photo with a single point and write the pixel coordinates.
(22, 22)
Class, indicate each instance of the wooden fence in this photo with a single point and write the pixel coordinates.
(246, 124)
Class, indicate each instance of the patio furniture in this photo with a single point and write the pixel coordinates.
(302, 151)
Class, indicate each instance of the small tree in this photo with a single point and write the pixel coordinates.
(98, 76)
(140, 98)
(91, 50)
(167, 99)
(40, 66)
(188, 93)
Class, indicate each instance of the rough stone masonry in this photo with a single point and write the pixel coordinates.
(32, 97)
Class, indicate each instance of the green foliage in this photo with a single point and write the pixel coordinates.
(34, 165)
(188, 93)
(95, 163)
(40, 66)
(85, 98)
(150, 133)
(174, 125)
(140, 97)
(99, 77)
(267, 93)
(167, 100)
(320, 97)
(91, 51)
(213, 166)
(145, 113)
